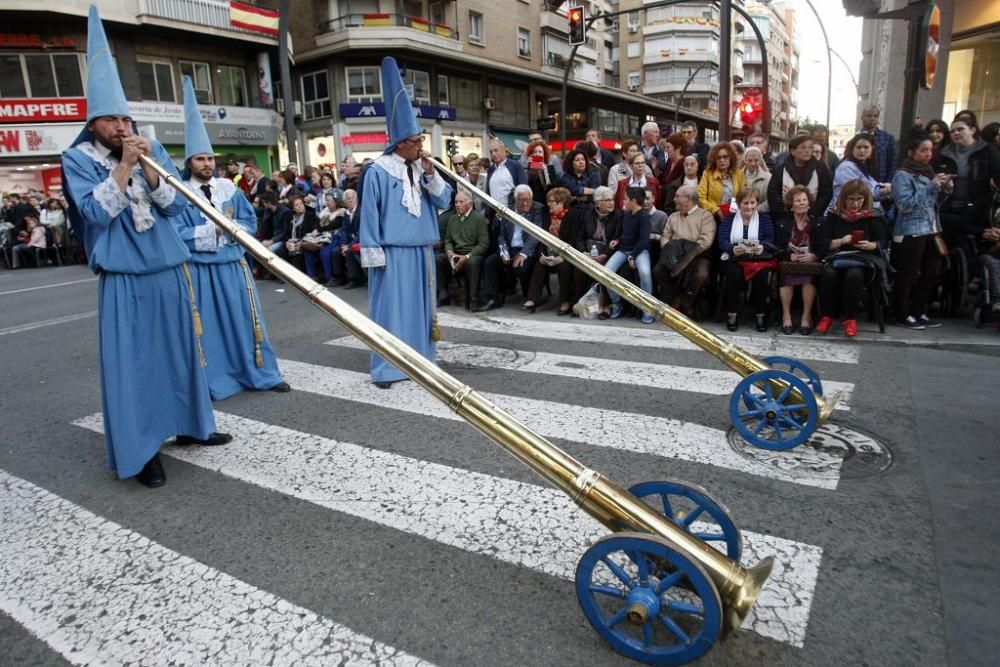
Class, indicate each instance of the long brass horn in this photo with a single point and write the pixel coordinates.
(728, 353)
(609, 503)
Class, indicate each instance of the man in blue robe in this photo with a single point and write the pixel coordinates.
(153, 385)
(237, 349)
(399, 226)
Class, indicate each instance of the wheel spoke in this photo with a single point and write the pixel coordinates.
(647, 633)
(668, 509)
(777, 430)
(674, 629)
(710, 537)
(784, 393)
(618, 617)
(689, 519)
(641, 564)
(768, 391)
(752, 413)
(617, 571)
(760, 427)
(610, 591)
(685, 607)
(669, 582)
(796, 408)
(791, 423)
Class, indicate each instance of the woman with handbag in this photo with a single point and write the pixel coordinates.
(851, 240)
(565, 222)
(720, 181)
(798, 264)
(917, 248)
(745, 238)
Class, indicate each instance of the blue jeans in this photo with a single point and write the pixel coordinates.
(616, 261)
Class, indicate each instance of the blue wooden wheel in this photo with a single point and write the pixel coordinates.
(695, 510)
(768, 417)
(798, 369)
(648, 601)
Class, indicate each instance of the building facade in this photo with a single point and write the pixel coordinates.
(776, 22)
(155, 42)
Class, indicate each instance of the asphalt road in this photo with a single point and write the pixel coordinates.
(349, 524)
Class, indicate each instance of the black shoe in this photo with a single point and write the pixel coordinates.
(213, 440)
(444, 301)
(731, 322)
(787, 329)
(563, 313)
(490, 304)
(152, 474)
(604, 316)
(334, 282)
(805, 331)
(351, 286)
(383, 385)
(532, 308)
(281, 388)
(761, 323)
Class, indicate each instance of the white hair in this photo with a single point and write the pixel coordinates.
(649, 125)
(603, 192)
(523, 189)
(689, 191)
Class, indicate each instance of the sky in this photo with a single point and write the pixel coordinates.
(845, 38)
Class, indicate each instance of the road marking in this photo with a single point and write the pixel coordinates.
(660, 337)
(85, 586)
(47, 323)
(38, 287)
(515, 522)
(659, 436)
(658, 376)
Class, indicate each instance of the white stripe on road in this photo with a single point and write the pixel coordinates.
(660, 337)
(640, 373)
(659, 436)
(98, 593)
(47, 323)
(38, 287)
(515, 522)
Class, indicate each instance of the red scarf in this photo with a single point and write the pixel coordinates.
(555, 220)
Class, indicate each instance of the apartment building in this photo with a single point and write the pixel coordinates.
(155, 42)
(776, 22)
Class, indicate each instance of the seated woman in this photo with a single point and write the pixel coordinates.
(794, 245)
(851, 240)
(319, 245)
(542, 176)
(28, 241)
(602, 227)
(641, 178)
(689, 176)
(633, 248)
(756, 175)
(579, 179)
(721, 180)
(746, 238)
(565, 221)
(54, 219)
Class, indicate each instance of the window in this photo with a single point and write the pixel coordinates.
(436, 12)
(40, 75)
(421, 83)
(201, 76)
(315, 95)
(476, 33)
(524, 42)
(633, 80)
(232, 86)
(443, 96)
(634, 50)
(156, 80)
(364, 84)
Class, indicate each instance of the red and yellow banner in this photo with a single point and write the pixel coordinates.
(254, 19)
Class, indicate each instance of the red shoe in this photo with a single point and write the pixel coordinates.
(824, 324)
(850, 328)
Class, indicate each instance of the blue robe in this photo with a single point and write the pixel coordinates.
(153, 386)
(235, 336)
(396, 246)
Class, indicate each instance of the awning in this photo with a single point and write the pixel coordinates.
(514, 139)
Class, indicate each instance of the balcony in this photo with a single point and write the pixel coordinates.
(680, 56)
(209, 16)
(387, 31)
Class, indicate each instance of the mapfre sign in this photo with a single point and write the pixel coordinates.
(43, 109)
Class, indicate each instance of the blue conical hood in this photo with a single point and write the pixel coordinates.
(195, 136)
(400, 120)
(105, 96)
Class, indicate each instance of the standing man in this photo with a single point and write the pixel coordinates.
(655, 159)
(504, 174)
(607, 158)
(235, 341)
(821, 136)
(885, 145)
(700, 150)
(401, 195)
(153, 383)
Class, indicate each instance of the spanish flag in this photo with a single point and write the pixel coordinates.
(253, 19)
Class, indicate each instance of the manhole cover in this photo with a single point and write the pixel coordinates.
(834, 452)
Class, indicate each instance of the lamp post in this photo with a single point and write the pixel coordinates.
(829, 61)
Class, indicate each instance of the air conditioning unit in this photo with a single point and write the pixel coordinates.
(489, 103)
(633, 27)
(633, 87)
(279, 105)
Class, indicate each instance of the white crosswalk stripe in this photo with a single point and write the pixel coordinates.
(536, 527)
(656, 336)
(638, 373)
(82, 585)
(645, 434)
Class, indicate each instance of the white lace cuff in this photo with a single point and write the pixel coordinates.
(205, 238)
(110, 197)
(163, 195)
(372, 257)
(434, 184)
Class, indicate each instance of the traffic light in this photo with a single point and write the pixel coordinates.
(577, 26)
(750, 112)
(451, 147)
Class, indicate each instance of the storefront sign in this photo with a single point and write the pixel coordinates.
(37, 140)
(18, 40)
(380, 138)
(39, 109)
(154, 112)
(377, 109)
(218, 133)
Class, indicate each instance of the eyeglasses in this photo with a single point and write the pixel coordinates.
(458, 164)
(418, 140)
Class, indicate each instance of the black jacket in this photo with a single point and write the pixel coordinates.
(783, 234)
(570, 231)
(984, 166)
(823, 194)
(836, 227)
(612, 227)
(275, 225)
(538, 215)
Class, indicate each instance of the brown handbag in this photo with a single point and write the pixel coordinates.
(941, 246)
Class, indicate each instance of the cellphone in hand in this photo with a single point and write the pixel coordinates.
(857, 236)
(537, 161)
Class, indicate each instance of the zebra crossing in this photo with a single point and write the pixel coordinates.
(491, 517)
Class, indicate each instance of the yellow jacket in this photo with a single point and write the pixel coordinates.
(710, 189)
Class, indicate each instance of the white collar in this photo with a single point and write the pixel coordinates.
(395, 166)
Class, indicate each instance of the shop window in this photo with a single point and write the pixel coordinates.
(363, 84)
(315, 95)
(156, 80)
(442, 91)
(524, 42)
(40, 75)
(232, 86)
(477, 34)
(201, 76)
(421, 83)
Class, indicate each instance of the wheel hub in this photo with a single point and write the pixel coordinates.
(643, 602)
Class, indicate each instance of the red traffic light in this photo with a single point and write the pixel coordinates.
(574, 16)
(747, 108)
(577, 26)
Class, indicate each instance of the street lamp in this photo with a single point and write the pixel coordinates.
(829, 61)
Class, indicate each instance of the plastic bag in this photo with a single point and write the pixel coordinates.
(589, 305)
